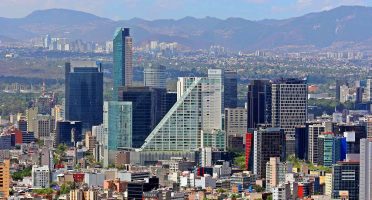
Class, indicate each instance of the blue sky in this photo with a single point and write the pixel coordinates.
(160, 9)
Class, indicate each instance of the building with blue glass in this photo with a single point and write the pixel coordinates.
(122, 59)
(84, 93)
(68, 132)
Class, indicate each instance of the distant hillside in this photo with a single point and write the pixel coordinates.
(345, 24)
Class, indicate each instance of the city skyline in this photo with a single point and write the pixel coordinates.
(166, 9)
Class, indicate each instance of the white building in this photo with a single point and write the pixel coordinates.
(40, 176)
(365, 180)
(94, 179)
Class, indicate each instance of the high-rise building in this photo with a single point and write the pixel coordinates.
(302, 142)
(123, 60)
(369, 126)
(249, 150)
(353, 133)
(68, 132)
(235, 121)
(198, 108)
(117, 126)
(365, 180)
(259, 103)
(314, 131)
(218, 75)
(31, 115)
(345, 180)
(155, 76)
(230, 89)
(40, 176)
(268, 142)
(289, 107)
(84, 93)
(369, 89)
(331, 149)
(4, 179)
(275, 173)
(149, 106)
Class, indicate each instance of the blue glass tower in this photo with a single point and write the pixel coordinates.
(84, 94)
(122, 59)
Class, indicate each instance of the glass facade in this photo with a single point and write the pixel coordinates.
(198, 108)
(84, 95)
(230, 89)
(117, 125)
(346, 178)
(149, 107)
(122, 60)
(68, 132)
(154, 76)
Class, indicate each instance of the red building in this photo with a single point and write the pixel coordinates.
(249, 151)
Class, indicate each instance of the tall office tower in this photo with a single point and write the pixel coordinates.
(314, 131)
(4, 179)
(149, 107)
(230, 89)
(302, 142)
(198, 108)
(268, 142)
(275, 173)
(218, 76)
(289, 108)
(123, 60)
(259, 103)
(365, 180)
(339, 83)
(369, 89)
(235, 122)
(117, 126)
(84, 93)
(68, 132)
(155, 76)
(345, 180)
(353, 133)
(331, 149)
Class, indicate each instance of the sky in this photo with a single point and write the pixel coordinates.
(176, 9)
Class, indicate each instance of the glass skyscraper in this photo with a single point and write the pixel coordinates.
(68, 132)
(198, 108)
(84, 93)
(154, 76)
(117, 126)
(230, 89)
(149, 107)
(123, 60)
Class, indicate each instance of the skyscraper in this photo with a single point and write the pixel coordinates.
(123, 60)
(198, 108)
(154, 76)
(330, 149)
(149, 107)
(230, 89)
(289, 107)
(259, 103)
(117, 126)
(365, 181)
(84, 93)
(268, 142)
(218, 76)
(314, 131)
(302, 142)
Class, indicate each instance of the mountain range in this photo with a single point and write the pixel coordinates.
(342, 27)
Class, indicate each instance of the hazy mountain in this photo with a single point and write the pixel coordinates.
(351, 24)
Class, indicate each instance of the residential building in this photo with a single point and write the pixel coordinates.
(4, 179)
(275, 173)
(40, 176)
